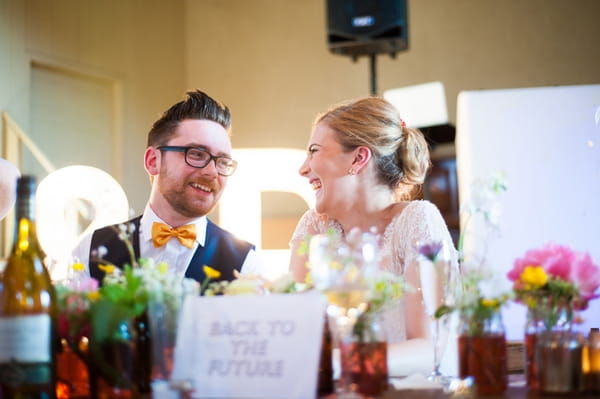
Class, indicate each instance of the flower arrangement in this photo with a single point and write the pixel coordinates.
(75, 297)
(383, 288)
(478, 302)
(249, 284)
(109, 315)
(478, 298)
(555, 282)
(387, 288)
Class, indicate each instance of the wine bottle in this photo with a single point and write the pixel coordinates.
(27, 309)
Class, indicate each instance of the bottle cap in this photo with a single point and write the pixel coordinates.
(25, 185)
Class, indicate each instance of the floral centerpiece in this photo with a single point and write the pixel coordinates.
(479, 296)
(346, 270)
(387, 288)
(555, 282)
(114, 318)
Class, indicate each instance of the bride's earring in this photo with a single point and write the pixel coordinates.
(351, 172)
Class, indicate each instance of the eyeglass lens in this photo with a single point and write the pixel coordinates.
(199, 158)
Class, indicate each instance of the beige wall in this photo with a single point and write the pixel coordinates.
(137, 45)
(269, 61)
(269, 58)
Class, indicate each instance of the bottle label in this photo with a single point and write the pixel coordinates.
(25, 339)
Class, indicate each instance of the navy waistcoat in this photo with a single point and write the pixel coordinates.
(221, 251)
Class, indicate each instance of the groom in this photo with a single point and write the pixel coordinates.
(188, 159)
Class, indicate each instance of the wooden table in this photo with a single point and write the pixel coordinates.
(516, 390)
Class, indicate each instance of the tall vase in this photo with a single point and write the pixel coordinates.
(482, 353)
(366, 356)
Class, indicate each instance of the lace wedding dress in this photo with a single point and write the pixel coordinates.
(419, 221)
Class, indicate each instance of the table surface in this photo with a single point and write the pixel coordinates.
(516, 390)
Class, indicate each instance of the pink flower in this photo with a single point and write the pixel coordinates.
(586, 275)
(561, 262)
(558, 261)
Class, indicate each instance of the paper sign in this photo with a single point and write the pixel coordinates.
(250, 346)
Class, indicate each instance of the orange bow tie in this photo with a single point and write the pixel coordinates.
(161, 233)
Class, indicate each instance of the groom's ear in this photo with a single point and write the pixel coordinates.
(152, 158)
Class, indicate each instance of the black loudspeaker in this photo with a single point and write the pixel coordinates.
(364, 27)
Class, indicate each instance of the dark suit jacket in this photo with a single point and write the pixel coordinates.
(221, 251)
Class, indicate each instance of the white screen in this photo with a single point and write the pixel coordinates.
(547, 141)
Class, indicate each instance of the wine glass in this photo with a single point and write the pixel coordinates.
(343, 270)
(437, 276)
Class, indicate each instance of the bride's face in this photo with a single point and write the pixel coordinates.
(326, 168)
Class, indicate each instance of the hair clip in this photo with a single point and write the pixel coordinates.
(402, 123)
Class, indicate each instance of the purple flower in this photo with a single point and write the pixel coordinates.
(430, 250)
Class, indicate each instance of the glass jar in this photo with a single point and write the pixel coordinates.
(558, 355)
(482, 353)
(111, 362)
(72, 371)
(366, 356)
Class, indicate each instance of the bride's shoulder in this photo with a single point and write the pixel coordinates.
(405, 207)
(415, 209)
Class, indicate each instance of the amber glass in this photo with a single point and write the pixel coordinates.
(27, 310)
(325, 385)
(592, 372)
(533, 326)
(484, 358)
(482, 354)
(368, 367)
(72, 373)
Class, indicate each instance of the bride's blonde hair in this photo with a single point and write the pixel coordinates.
(401, 154)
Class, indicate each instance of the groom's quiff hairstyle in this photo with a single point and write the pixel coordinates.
(196, 105)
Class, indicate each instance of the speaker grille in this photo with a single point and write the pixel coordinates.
(362, 27)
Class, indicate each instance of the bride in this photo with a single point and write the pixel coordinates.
(365, 166)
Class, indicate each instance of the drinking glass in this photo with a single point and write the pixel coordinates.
(437, 275)
(343, 270)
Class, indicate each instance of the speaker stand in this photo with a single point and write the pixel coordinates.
(373, 73)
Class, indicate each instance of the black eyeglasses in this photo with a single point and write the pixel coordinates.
(198, 158)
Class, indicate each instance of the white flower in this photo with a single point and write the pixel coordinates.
(284, 283)
(244, 286)
(484, 199)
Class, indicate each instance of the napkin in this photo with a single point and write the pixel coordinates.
(414, 381)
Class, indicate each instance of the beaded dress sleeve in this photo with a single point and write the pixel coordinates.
(419, 221)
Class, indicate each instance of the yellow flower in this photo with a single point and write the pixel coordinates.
(163, 267)
(490, 303)
(336, 265)
(534, 277)
(308, 279)
(78, 267)
(530, 302)
(211, 273)
(93, 296)
(108, 269)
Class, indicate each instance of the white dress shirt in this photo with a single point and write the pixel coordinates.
(173, 252)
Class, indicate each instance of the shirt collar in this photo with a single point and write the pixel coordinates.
(149, 217)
